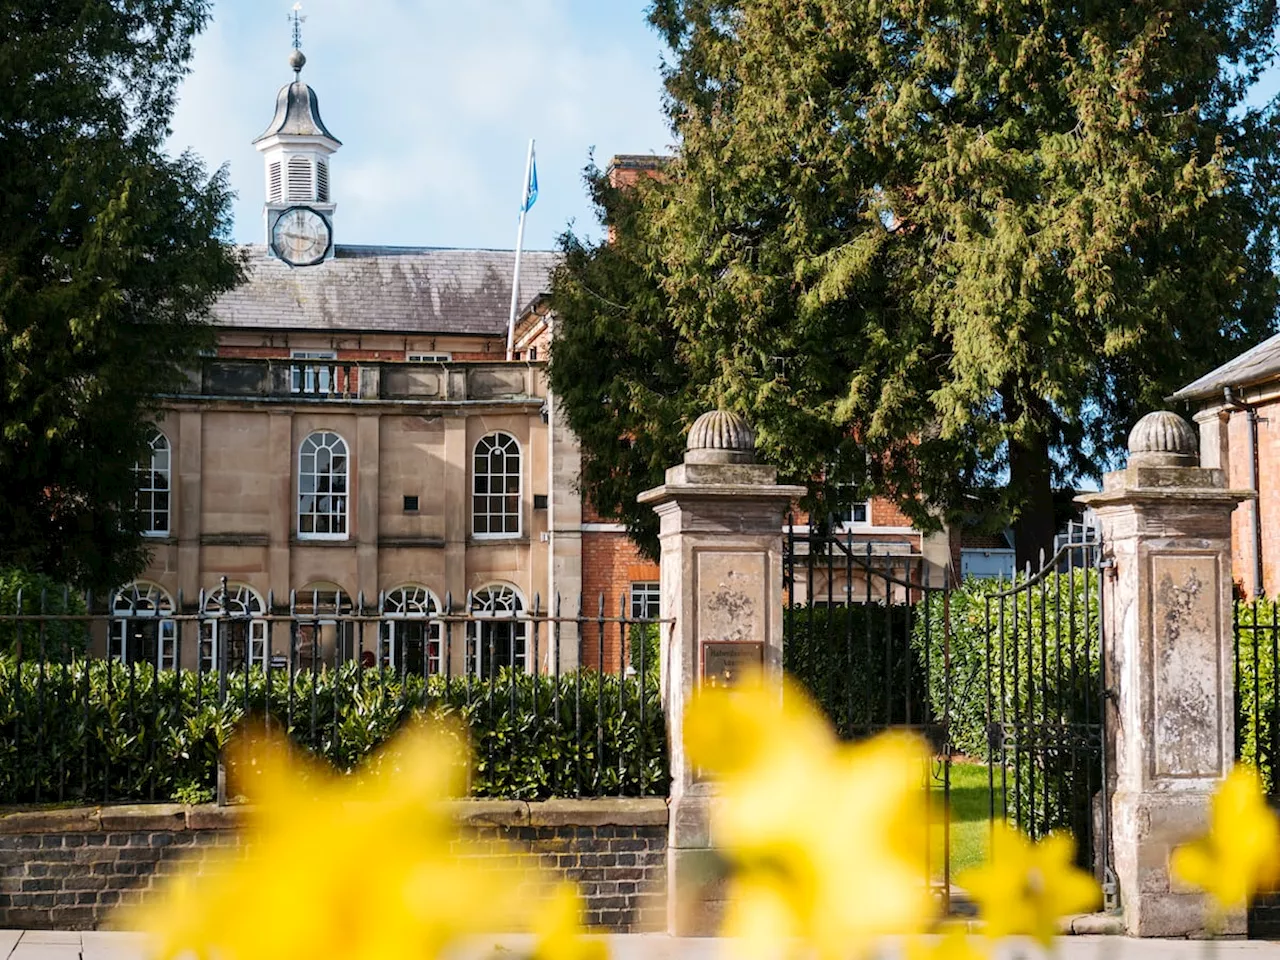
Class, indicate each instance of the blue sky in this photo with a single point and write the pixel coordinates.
(435, 103)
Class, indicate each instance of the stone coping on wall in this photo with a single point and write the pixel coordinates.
(132, 818)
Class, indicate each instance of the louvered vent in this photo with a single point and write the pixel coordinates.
(322, 181)
(299, 178)
(274, 186)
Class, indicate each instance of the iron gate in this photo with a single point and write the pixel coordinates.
(1002, 679)
(1046, 700)
(1257, 723)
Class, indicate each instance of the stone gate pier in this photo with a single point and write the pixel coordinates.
(721, 519)
(1169, 667)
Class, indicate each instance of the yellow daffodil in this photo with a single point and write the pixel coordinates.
(558, 925)
(954, 944)
(1024, 888)
(1241, 853)
(362, 867)
(826, 840)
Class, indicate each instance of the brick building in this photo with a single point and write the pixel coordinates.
(1237, 409)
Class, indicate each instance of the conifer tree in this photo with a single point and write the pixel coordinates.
(111, 254)
(943, 250)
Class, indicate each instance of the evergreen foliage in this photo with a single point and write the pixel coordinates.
(926, 246)
(98, 730)
(111, 253)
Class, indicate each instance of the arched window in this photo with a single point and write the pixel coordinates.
(142, 629)
(495, 487)
(233, 630)
(300, 178)
(497, 630)
(322, 487)
(152, 475)
(410, 638)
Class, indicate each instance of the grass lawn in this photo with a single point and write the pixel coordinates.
(970, 814)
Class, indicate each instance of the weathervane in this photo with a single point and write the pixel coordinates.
(297, 59)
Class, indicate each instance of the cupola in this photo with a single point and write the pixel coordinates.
(295, 148)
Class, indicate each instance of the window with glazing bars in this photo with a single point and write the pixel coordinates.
(152, 474)
(495, 500)
(322, 487)
(644, 600)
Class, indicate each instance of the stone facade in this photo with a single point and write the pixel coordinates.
(69, 869)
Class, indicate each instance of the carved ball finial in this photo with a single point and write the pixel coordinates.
(297, 60)
(719, 436)
(1163, 439)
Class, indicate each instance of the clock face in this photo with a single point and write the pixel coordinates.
(300, 236)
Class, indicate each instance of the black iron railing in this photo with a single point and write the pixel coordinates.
(135, 700)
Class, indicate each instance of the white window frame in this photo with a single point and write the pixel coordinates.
(489, 496)
(494, 605)
(345, 495)
(846, 517)
(309, 378)
(409, 608)
(143, 601)
(147, 487)
(242, 603)
(413, 356)
(649, 592)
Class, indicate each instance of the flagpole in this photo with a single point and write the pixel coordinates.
(515, 280)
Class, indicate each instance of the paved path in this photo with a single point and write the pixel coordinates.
(60, 945)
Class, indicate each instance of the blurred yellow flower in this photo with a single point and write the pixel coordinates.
(559, 929)
(954, 944)
(827, 841)
(1024, 888)
(362, 867)
(1241, 853)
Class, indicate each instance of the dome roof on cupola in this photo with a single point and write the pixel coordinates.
(297, 114)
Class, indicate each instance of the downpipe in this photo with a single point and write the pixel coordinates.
(1251, 413)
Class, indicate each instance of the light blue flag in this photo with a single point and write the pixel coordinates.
(531, 188)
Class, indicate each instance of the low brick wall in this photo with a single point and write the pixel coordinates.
(68, 869)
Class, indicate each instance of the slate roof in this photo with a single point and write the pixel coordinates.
(423, 290)
(1253, 366)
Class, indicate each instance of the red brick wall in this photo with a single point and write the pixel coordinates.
(610, 564)
(1242, 535)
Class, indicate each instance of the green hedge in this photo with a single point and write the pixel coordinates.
(96, 731)
(1257, 640)
(858, 663)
